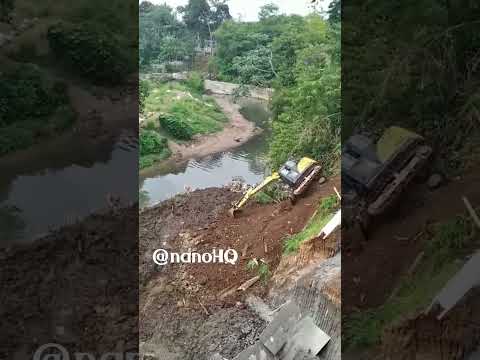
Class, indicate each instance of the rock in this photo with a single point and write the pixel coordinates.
(322, 180)
(238, 139)
(435, 181)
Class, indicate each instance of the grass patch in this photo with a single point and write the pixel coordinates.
(261, 268)
(181, 112)
(153, 148)
(324, 214)
(32, 108)
(449, 242)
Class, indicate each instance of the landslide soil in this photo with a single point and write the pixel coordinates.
(77, 287)
(394, 241)
(370, 275)
(180, 303)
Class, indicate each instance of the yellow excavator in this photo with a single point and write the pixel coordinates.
(297, 175)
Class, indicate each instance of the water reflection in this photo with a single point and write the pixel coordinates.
(247, 161)
(50, 191)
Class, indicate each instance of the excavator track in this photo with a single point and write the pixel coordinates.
(307, 181)
(400, 180)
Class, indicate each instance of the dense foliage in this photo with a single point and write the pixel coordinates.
(153, 148)
(165, 39)
(30, 108)
(91, 51)
(176, 126)
(299, 58)
(415, 65)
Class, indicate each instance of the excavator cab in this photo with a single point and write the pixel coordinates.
(298, 175)
(379, 172)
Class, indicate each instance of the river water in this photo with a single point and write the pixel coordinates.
(44, 189)
(248, 162)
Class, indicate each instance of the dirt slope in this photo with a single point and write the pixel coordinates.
(178, 301)
(77, 287)
(393, 243)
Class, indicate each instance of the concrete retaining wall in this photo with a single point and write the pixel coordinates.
(224, 88)
(214, 87)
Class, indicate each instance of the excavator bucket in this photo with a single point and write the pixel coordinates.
(232, 212)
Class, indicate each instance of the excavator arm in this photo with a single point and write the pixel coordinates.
(252, 191)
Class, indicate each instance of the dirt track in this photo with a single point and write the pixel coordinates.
(179, 303)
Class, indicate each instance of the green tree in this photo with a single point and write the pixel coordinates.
(203, 18)
(268, 10)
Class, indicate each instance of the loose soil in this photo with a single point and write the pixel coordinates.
(371, 274)
(77, 287)
(179, 301)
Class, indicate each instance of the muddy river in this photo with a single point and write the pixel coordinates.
(44, 189)
(247, 162)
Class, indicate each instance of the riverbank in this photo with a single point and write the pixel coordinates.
(193, 311)
(235, 133)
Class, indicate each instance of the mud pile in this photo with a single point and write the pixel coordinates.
(76, 287)
(454, 337)
(195, 310)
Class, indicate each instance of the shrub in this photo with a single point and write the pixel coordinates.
(176, 127)
(26, 94)
(89, 50)
(195, 82)
(151, 142)
(31, 107)
(144, 92)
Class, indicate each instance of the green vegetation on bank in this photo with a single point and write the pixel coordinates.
(32, 108)
(178, 111)
(323, 215)
(443, 255)
(181, 111)
(91, 51)
(55, 42)
(415, 65)
(153, 148)
(300, 58)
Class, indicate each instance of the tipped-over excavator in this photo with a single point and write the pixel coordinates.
(375, 175)
(298, 175)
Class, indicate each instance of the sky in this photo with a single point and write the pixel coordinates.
(248, 9)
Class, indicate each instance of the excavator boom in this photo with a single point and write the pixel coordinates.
(251, 192)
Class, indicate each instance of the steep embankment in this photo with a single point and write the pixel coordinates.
(418, 247)
(184, 307)
(76, 286)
